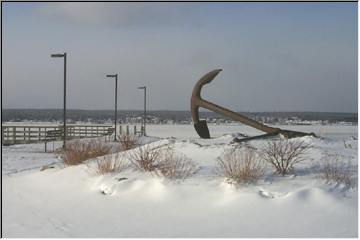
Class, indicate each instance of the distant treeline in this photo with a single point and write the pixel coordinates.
(177, 116)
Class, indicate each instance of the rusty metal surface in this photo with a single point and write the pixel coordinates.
(201, 126)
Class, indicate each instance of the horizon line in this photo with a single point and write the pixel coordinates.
(78, 109)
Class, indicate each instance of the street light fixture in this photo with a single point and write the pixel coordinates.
(116, 78)
(144, 118)
(63, 55)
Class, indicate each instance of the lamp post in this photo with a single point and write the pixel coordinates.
(63, 55)
(144, 119)
(116, 78)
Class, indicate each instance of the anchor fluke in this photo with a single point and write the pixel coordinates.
(202, 129)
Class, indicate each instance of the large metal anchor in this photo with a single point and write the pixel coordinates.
(201, 125)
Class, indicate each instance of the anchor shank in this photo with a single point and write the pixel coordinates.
(235, 116)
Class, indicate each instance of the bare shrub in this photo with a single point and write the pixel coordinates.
(334, 170)
(98, 148)
(284, 154)
(145, 159)
(78, 151)
(173, 166)
(110, 164)
(128, 141)
(162, 161)
(241, 166)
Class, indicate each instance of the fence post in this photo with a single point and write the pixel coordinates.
(120, 130)
(14, 134)
(127, 130)
(134, 129)
(39, 134)
(29, 134)
(2, 135)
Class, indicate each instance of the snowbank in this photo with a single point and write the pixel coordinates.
(74, 202)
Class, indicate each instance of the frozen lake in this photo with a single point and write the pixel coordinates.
(188, 131)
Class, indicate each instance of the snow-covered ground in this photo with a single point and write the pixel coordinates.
(75, 202)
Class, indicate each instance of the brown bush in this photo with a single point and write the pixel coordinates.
(161, 161)
(128, 141)
(334, 170)
(240, 166)
(145, 159)
(110, 164)
(284, 154)
(174, 166)
(78, 151)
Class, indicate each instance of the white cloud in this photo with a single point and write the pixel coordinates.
(121, 14)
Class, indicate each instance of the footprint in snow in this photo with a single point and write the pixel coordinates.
(267, 194)
(58, 224)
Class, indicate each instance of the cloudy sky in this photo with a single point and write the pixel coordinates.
(274, 56)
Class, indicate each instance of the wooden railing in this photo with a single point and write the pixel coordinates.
(19, 134)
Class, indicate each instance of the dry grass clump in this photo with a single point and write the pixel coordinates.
(128, 141)
(78, 151)
(161, 161)
(110, 164)
(241, 166)
(145, 158)
(335, 170)
(173, 166)
(284, 154)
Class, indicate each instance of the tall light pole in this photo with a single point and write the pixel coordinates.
(63, 55)
(144, 118)
(116, 78)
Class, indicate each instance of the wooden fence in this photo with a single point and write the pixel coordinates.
(19, 134)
